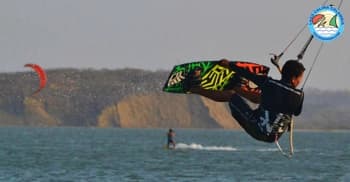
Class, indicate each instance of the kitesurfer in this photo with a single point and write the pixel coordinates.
(278, 101)
(171, 141)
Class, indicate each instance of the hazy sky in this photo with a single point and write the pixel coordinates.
(156, 34)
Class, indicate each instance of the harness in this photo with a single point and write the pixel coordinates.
(273, 126)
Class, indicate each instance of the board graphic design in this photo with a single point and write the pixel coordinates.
(213, 76)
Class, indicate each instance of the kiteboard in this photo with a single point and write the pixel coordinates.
(165, 147)
(213, 76)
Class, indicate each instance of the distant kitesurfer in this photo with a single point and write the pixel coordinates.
(278, 101)
(171, 141)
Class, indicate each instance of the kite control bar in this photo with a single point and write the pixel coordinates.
(275, 60)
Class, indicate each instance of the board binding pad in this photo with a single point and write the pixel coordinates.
(213, 76)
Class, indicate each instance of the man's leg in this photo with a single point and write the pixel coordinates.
(247, 118)
(253, 97)
(226, 95)
(174, 145)
(218, 96)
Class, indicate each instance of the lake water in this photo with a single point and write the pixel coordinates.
(92, 154)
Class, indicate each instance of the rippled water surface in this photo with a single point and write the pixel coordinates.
(90, 154)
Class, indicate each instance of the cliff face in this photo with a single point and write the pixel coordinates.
(133, 98)
(163, 110)
(35, 114)
(220, 113)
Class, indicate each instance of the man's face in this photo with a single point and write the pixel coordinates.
(297, 80)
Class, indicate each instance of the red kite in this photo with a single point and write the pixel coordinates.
(41, 74)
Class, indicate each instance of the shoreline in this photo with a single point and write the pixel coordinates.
(197, 129)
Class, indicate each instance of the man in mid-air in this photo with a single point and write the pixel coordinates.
(278, 101)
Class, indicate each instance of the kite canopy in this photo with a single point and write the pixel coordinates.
(317, 18)
(41, 74)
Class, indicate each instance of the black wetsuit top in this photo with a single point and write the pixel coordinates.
(279, 101)
(276, 95)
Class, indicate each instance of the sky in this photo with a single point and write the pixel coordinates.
(158, 34)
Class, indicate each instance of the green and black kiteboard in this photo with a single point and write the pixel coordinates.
(213, 76)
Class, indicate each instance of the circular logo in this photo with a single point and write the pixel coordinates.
(326, 23)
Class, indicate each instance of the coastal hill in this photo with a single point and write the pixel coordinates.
(132, 98)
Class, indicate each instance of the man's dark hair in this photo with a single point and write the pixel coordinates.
(292, 68)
